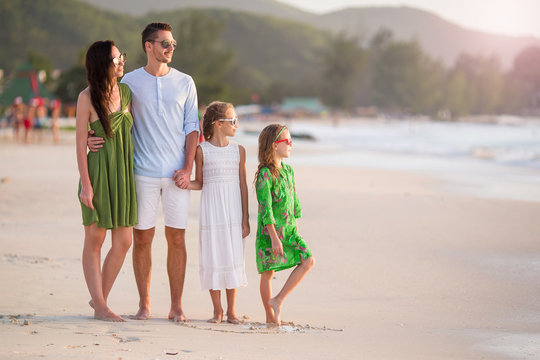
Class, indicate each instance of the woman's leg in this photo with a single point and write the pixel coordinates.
(231, 307)
(266, 295)
(121, 242)
(215, 295)
(91, 261)
(294, 279)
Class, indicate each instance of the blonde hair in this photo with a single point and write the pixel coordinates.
(215, 111)
(267, 138)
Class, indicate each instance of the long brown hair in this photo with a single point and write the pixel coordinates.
(215, 111)
(101, 80)
(266, 151)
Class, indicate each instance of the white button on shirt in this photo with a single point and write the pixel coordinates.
(164, 112)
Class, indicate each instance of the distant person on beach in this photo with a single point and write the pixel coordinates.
(224, 217)
(28, 120)
(278, 244)
(165, 133)
(107, 184)
(40, 117)
(17, 116)
(56, 107)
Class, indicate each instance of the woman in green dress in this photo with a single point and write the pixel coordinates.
(107, 186)
(278, 245)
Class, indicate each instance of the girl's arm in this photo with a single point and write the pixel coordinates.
(84, 112)
(199, 160)
(244, 192)
(277, 246)
(264, 198)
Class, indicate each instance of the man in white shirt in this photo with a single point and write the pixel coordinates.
(165, 136)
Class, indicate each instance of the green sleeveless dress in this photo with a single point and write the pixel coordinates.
(111, 172)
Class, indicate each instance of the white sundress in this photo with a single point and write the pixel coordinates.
(221, 247)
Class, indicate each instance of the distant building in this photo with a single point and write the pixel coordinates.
(302, 106)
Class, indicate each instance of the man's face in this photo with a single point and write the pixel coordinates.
(157, 47)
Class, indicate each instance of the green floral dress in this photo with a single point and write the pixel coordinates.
(111, 172)
(278, 205)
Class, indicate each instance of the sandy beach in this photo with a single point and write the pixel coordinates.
(406, 269)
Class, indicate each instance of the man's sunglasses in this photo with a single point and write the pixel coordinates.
(119, 59)
(165, 43)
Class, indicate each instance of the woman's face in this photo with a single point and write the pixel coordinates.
(120, 60)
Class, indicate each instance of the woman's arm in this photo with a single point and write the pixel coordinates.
(84, 107)
(199, 160)
(244, 192)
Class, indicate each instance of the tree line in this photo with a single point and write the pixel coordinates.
(394, 76)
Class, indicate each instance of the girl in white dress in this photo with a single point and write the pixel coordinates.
(224, 219)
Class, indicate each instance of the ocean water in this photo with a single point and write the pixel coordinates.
(495, 160)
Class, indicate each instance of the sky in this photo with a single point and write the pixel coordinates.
(508, 17)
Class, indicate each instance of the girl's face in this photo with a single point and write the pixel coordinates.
(226, 127)
(283, 145)
(120, 60)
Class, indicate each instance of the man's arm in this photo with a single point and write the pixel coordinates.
(94, 142)
(182, 177)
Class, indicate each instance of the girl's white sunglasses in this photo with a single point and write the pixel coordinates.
(234, 120)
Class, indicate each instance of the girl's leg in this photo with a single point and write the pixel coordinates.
(215, 295)
(121, 242)
(266, 295)
(91, 261)
(294, 279)
(231, 307)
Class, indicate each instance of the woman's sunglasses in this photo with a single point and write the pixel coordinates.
(119, 59)
(165, 43)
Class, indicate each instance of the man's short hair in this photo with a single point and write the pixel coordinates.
(149, 32)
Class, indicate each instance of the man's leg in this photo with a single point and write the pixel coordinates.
(142, 267)
(176, 268)
(175, 210)
(148, 194)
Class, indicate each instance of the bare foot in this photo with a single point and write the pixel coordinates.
(107, 315)
(270, 319)
(177, 316)
(270, 325)
(142, 314)
(233, 320)
(276, 306)
(215, 320)
(91, 303)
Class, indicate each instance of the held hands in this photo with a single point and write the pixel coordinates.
(86, 196)
(182, 178)
(94, 142)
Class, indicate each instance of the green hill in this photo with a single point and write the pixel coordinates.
(440, 38)
(267, 50)
(58, 29)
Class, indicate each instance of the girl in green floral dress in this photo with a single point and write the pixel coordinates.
(278, 245)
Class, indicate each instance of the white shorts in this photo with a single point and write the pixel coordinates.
(175, 202)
